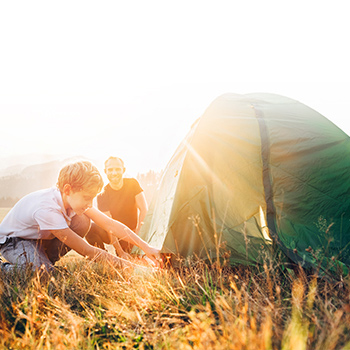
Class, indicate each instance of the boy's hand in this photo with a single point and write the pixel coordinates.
(105, 257)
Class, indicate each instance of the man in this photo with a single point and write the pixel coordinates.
(123, 200)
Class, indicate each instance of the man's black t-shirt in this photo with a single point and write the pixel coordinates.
(121, 203)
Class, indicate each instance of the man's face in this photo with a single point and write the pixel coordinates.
(114, 170)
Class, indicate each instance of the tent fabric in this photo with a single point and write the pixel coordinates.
(254, 170)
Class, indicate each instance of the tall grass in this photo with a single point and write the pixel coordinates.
(83, 305)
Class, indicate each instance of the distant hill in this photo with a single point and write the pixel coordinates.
(15, 164)
(18, 180)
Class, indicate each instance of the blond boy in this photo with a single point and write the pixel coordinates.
(46, 224)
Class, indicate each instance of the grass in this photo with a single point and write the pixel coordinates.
(83, 305)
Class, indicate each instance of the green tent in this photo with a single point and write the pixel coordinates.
(257, 172)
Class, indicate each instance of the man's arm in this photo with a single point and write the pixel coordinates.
(141, 204)
(119, 230)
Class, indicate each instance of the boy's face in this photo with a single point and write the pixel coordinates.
(79, 201)
(114, 170)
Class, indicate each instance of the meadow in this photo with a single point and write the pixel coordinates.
(191, 305)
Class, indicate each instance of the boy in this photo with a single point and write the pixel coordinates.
(45, 225)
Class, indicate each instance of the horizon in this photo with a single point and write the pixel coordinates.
(153, 157)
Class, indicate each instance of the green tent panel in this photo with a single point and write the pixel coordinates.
(256, 171)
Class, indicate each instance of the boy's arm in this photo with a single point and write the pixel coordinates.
(121, 231)
(74, 241)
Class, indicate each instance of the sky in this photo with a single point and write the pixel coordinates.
(129, 78)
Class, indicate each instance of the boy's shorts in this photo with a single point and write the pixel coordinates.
(39, 252)
(22, 252)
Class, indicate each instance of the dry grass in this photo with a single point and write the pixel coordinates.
(194, 306)
(83, 305)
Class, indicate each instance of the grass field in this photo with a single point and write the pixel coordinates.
(83, 305)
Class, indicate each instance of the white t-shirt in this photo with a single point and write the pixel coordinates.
(34, 215)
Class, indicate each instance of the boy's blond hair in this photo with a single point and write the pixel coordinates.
(81, 175)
